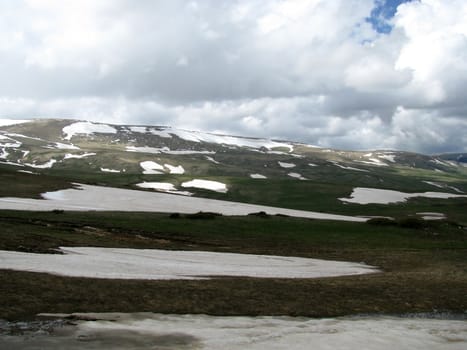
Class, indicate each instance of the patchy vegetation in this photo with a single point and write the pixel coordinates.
(419, 265)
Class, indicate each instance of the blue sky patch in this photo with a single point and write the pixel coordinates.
(382, 13)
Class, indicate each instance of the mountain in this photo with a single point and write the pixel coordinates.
(45, 153)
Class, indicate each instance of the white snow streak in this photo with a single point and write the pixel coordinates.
(362, 195)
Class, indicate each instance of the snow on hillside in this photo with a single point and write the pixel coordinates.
(257, 176)
(175, 169)
(199, 136)
(88, 197)
(150, 167)
(362, 195)
(86, 128)
(8, 122)
(165, 150)
(78, 156)
(207, 185)
(296, 176)
(46, 165)
(286, 165)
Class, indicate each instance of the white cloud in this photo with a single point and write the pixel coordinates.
(244, 67)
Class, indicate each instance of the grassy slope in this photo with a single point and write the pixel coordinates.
(420, 265)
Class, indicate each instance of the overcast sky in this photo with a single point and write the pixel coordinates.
(351, 74)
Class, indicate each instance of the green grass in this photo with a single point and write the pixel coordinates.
(419, 265)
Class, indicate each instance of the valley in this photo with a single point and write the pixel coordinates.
(80, 186)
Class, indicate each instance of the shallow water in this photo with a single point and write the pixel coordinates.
(156, 331)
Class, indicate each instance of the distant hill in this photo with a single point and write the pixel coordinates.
(263, 171)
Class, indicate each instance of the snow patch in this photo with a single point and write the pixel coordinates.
(212, 160)
(165, 150)
(78, 156)
(8, 122)
(432, 216)
(252, 333)
(198, 136)
(388, 156)
(155, 264)
(362, 195)
(372, 161)
(87, 197)
(47, 165)
(161, 186)
(347, 167)
(106, 170)
(86, 128)
(150, 167)
(286, 165)
(441, 185)
(145, 149)
(207, 185)
(257, 176)
(175, 169)
(60, 145)
(296, 175)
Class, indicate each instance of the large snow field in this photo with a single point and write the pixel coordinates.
(154, 264)
(157, 331)
(88, 197)
(362, 195)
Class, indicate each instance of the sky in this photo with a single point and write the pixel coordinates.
(348, 74)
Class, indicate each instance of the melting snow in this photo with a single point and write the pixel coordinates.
(78, 156)
(388, 156)
(207, 185)
(47, 165)
(155, 264)
(27, 172)
(347, 167)
(87, 197)
(286, 165)
(161, 186)
(311, 164)
(150, 331)
(106, 170)
(198, 136)
(175, 169)
(363, 195)
(86, 128)
(7, 122)
(441, 185)
(60, 145)
(296, 175)
(212, 160)
(144, 130)
(166, 150)
(432, 216)
(373, 161)
(151, 167)
(257, 176)
(152, 150)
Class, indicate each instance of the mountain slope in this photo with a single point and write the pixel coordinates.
(261, 171)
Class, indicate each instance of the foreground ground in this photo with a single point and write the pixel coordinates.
(424, 264)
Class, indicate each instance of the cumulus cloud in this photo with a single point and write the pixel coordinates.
(315, 71)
